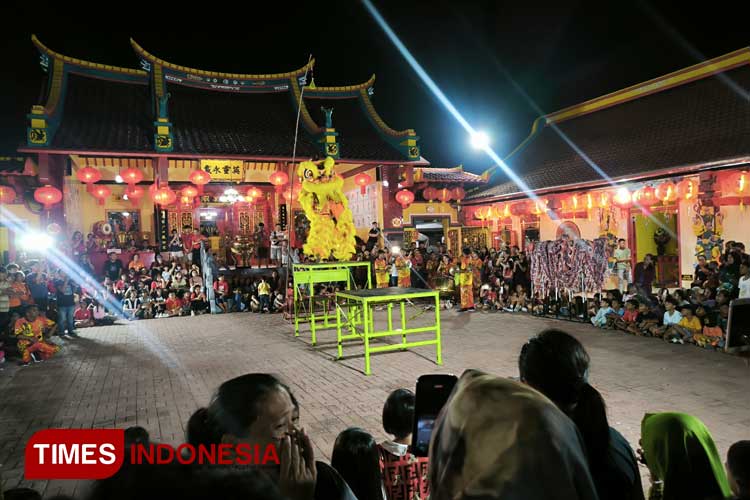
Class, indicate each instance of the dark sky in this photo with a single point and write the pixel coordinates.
(484, 55)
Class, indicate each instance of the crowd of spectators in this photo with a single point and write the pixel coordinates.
(542, 435)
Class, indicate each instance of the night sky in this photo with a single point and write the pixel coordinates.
(481, 54)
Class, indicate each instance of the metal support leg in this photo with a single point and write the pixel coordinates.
(338, 332)
(403, 323)
(390, 316)
(367, 313)
(438, 346)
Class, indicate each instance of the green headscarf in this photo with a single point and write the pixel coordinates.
(680, 451)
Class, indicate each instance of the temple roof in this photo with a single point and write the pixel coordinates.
(91, 107)
(448, 175)
(693, 118)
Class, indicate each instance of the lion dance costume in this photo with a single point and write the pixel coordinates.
(322, 198)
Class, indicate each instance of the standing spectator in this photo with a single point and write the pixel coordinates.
(78, 246)
(381, 269)
(521, 272)
(21, 296)
(221, 289)
(39, 291)
(622, 264)
(261, 243)
(277, 237)
(113, 267)
(373, 236)
(680, 452)
(645, 274)
(86, 265)
(176, 250)
(744, 281)
(66, 304)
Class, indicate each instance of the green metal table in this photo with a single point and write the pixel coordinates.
(354, 312)
(317, 309)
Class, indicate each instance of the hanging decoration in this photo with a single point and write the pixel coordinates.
(278, 179)
(189, 191)
(101, 193)
(666, 192)
(7, 194)
(459, 194)
(164, 196)
(134, 194)
(131, 176)
(254, 192)
(603, 199)
(430, 194)
(564, 264)
(539, 206)
(332, 231)
(645, 197)
(444, 195)
(623, 198)
(48, 196)
(88, 175)
(294, 195)
(362, 180)
(200, 178)
(687, 189)
(739, 183)
(405, 198)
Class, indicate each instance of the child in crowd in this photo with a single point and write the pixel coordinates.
(616, 314)
(518, 300)
(647, 319)
(684, 330)
(198, 302)
(130, 305)
(600, 318)
(82, 315)
(173, 305)
(671, 317)
(627, 322)
(221, 293)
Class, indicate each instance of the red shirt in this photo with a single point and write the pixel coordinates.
(222, 287)
(172, 304)
(630, 316)
(82, 314)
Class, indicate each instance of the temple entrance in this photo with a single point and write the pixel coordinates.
(430, 231)
(656, 233)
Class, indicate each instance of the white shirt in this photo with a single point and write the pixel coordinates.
(744, 286)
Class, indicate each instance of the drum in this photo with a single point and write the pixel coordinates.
(445, 286)
(102, 229)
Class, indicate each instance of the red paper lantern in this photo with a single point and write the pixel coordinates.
(134, 194)
(189, 192)
(164, 196)
(429, 193)
(623, 198)
(445, 195)
(278, 179)
(739, 183)
(88, 175)
(7, 194)
(603, 199)
(131, 176)
(666, 192)
(362, 180)
(646, 196)
(199, 177)
(405, 198)
(101, 193)
(48, 196)
(459, 193)
(254, 193)
(294, 194)
(687, 189)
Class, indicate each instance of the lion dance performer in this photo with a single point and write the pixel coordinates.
(403, 268)
(30, 332)
(382, 270)
(322, 198)
(465, 279)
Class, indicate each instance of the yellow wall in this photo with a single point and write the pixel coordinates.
(92, 212)
(644, 234)
(433, 209)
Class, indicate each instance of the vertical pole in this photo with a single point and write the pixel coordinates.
(390, 316)
(403, 323)
(369, 276)
(338, 330)
(312, 318)
(438, 347)
(366, 332)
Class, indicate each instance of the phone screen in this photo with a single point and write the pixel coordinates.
(432, 393)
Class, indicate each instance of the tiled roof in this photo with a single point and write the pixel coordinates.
(11, 165)
(104, 115)
(432, 174)
(706, 120)
(358, 138)
(252, 124)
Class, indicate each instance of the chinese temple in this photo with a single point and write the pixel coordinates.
(129, 154)
(664, 164)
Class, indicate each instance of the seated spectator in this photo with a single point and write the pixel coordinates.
(131, 305)
(173, 305)
(616, 314)
(355, 457)
(671, 317)
(600, 318)
(257, 408)
(487, 444)
(680, 452)
(145, 311)
(557, 365)
(198, 302)
(647, 319)
(158, 304)
(629, 318)
(684, 330)
(264, 296)
(738, 469)
(135, 263)
(404, 475)
(32, 332)
(221, 293)
(82, 315)
(195, 278)
(179, 283)
(279, 303)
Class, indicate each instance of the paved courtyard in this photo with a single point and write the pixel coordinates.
(156, 373)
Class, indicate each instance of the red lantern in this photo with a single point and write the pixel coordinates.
(278, 179)
(189, 192)
(602, 199)
(646, 196)
(459, 193)
(666, 192)
(362, 180)
(134, 194)
(164, 196)
(254, 193)
(687, 189)
(623, 198)
(131, 176)
(7, 194)
(89, 175)
(294, 194)
(444, 195)
(200, 178)
(520, 208)
(739, 183)
(429, 193)
(405, 198)
(48, 196)
(101, 193)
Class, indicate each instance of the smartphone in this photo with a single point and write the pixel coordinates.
(432, 393)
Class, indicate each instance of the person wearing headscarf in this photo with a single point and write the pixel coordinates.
(681, 454)
(500, 439)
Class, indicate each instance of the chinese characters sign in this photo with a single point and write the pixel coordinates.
(224, 170)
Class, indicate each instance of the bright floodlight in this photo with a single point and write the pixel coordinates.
(36, 241)
(395, 250)
(118, 179)
(480, 140)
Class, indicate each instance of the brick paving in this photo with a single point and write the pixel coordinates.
(156, 373)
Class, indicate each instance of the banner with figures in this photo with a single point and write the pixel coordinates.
(224, 170)
(565, 264)
(364, 207)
